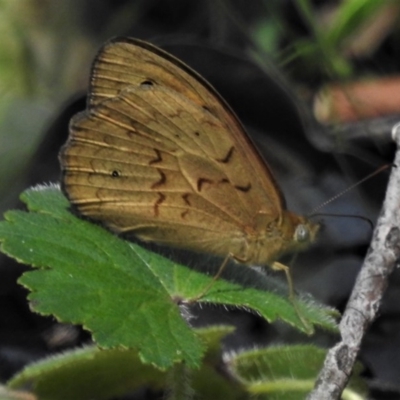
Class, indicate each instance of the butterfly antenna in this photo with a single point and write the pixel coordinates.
(344, 216)
(376, 172)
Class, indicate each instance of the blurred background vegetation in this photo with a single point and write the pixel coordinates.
(269, 59)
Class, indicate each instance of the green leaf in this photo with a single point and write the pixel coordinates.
(323, 51)
(120, 292)
(92, 373)
(88, 373)
(350, 17)
(7, 394)
(285, 372)
(280, 372)
(89, 276)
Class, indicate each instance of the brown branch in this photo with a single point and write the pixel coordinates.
(381, 259)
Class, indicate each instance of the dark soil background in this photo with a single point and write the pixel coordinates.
(238, 46)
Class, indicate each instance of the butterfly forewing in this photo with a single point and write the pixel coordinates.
(125, 62)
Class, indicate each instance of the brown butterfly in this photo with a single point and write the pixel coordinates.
(159, 154)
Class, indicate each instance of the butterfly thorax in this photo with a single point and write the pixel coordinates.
(289, 233)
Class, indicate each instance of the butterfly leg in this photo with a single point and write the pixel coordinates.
(215, 278)
(277, 266)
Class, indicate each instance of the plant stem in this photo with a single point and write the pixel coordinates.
(179, 379)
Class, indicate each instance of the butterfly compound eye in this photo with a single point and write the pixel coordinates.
(302, 233)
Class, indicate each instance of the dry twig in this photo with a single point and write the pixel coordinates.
(381, 259)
